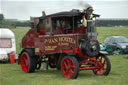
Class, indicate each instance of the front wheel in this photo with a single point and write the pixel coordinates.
(70, 67)
(103, 65)
(27, 62)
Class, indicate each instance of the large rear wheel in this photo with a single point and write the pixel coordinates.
(70, 67)
(103, 65)
(27, 62)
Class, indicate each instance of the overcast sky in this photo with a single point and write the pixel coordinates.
(23, 9)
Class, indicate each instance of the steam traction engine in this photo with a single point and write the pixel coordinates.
(66, 41)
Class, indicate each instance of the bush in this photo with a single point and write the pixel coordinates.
(13, 24)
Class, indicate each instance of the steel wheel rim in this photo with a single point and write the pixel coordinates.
(24, 62)
(101, 66)
(68, 68)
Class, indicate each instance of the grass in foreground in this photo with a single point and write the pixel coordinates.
(11, 74)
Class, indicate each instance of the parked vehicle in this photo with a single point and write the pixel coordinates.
(7, 45)
(66, 41)
(118, 44)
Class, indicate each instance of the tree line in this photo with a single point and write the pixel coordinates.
(6, 23)
(112, 22)
(10, 23)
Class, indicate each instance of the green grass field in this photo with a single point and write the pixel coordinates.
(11, 74)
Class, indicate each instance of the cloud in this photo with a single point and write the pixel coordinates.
(24, 9)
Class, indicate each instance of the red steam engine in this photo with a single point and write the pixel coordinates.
(66, 41)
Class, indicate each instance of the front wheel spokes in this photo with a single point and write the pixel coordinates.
(101, 65)
(101, 59)
(69, 68)
(100, 72)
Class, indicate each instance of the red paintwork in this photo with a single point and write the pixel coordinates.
(87, 68)
(68, 68)
(31, 39)
(60, 30)
(42, 32)
(80, 30)
(101, 65)
(37, 40)
(67, 51)
(77, 51)
(97, 64)
(41, 47)
(11, 58)
(24, 62)
(87, 61)
(93, 58)
(53, 42)
(59, 42)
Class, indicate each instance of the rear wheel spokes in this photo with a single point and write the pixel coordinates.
(24, 62)
(28, 63)
(72, 72)
(65, 69)
(68, 68)
(71, 69)
(65, 64)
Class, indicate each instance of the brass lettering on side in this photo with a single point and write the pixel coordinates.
(50, 48)
(58, 41)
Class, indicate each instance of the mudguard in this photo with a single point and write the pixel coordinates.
(103, 52)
